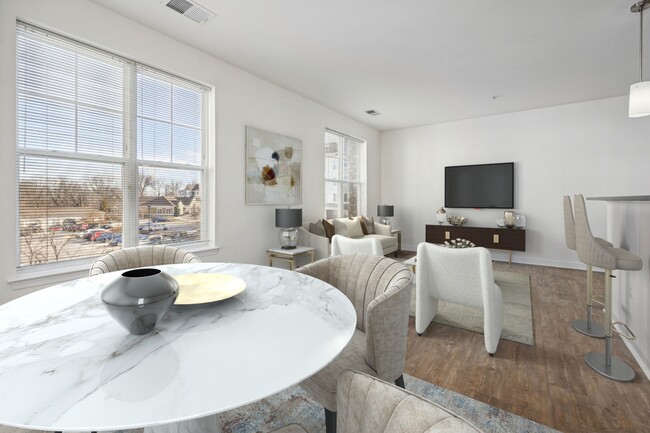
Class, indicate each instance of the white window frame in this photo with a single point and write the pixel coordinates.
(340, 182)
(131, 165)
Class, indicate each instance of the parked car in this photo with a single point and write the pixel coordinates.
(104, 237)
(69, 224)
(155, 239)
(95, 235)
(115, 241)
(146, 228)
(159, 219)
(88, 233)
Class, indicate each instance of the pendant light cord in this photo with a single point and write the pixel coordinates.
(641, 44)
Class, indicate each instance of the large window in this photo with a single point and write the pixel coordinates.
(110, 153)
(344, 175)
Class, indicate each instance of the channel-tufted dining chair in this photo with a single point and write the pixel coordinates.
(344, 245)
(594, 253)
(137, 257)
(367, 404)
(462, 276)
(380, 290)
(584, 326)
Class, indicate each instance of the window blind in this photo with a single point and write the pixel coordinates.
(103, 145)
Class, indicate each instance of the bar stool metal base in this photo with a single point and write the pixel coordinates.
(596, 331)
(618, 370)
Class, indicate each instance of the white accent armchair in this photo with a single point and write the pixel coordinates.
(342, 245)
(462, 276)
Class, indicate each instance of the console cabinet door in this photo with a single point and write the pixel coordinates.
(495, 238)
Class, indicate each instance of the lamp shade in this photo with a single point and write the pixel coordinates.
(288, 217)
(385, 210)
(640, 99)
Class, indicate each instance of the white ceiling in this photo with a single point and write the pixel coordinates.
(418, 61)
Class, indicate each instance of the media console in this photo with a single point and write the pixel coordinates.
(495, 238)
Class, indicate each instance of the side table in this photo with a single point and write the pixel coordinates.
(289, 255)
(397, 233)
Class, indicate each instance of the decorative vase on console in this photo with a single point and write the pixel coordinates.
(139, 298)
(441, 215)
(520, 221)
(509, 218)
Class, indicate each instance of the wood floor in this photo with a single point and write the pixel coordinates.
(549, 382)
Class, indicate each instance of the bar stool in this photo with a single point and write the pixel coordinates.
(608, 258)
(583, 326)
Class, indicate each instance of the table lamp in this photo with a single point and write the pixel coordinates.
(288, 220)
(385, 211)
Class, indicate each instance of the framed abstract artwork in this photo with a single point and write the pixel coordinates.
(272, 168)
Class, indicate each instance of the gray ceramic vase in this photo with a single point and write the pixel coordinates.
(139, 298)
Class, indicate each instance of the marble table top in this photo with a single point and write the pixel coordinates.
(66, 365)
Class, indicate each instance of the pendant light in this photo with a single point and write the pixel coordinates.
(640, 92)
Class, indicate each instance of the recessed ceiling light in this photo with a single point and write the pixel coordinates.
(373, 112)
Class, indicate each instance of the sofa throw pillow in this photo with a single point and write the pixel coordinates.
(354, 228)
(362, 221)
(350, 228)
(370, 225)
(340, 228)
(317, 228)
(329, 229)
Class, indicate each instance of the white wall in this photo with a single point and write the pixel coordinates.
(243, 232)
(591, 148)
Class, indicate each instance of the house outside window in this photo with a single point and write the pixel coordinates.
(103, 143)
(345, 175)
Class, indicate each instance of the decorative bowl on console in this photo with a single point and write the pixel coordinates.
(457, 220)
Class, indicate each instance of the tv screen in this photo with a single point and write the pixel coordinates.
(480, 186)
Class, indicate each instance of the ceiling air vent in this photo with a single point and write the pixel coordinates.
(373, 112)
(191, 10)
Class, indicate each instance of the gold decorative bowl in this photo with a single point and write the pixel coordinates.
(457, 220)
(204, 288)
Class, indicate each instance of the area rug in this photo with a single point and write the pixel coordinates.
(517, 310)
(296, 406)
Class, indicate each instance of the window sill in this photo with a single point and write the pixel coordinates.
(54, 273)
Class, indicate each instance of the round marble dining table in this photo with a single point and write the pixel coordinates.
(66, 365)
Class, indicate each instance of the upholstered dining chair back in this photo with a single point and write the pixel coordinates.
(462, 276)
(380, 290)
(569, 225)
(366, 280)
(369, 405)
(344, 245)
(137, 257)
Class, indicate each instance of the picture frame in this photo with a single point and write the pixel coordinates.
(273, 168)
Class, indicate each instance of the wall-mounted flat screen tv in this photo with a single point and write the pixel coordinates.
(480, 186)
